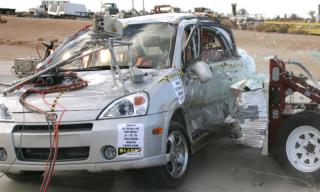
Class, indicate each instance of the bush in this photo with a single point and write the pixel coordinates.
(250, 27)
(298, 31)
(260, 27)
(2, 20)
(269, 28)
(283, 28)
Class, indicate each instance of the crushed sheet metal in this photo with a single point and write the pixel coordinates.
(253, 118)
(256, 81)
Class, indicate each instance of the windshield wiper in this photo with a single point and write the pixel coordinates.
(105, 67)
(96, 68)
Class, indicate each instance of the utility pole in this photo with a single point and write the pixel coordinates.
(101, 6)
(132, 4)
(144, 11)
(234, 9)
(318, 16)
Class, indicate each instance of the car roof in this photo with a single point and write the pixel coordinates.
(157, 18)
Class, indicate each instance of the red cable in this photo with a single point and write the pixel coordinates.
(56, 149)
(47, 115)
(50, 163)
(42, 112)
(45, 178)
(56, 136)
(37, 48)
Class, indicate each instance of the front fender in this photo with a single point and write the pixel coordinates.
(167, 93)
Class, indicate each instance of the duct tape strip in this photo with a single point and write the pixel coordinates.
(55, 101)
(169, 77)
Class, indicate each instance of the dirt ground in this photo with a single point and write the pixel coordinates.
(263, 46)
(19, 37)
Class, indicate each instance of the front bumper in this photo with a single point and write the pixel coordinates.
(103, 133)
(17, 167)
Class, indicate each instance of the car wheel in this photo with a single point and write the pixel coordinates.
(174, 172)
(298, 146)
(25, 176)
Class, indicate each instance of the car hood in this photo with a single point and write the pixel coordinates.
(100, 92)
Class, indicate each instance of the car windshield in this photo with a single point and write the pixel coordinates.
(151, 45)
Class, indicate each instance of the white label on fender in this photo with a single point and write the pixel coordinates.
(178, 88)
(130, 140)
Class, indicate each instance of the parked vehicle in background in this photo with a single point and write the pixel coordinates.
(110, 9)
(67, 10)
(39, 11)
(165, 9)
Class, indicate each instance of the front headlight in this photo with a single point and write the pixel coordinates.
(128, 106)
(4, 113)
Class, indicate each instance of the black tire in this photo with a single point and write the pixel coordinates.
(25, 176)
(160, 176)
(288, 129)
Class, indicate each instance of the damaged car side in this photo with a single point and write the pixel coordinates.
(147, 100)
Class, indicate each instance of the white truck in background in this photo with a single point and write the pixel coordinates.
(67, 10)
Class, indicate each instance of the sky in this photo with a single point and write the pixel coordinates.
(269, 8)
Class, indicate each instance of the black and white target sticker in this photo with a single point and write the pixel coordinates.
(178, 88)
(130, 140)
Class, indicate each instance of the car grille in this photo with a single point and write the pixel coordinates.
(64, 154)
(45, 128)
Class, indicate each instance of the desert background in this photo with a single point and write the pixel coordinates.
(220, 166)
(19, 37)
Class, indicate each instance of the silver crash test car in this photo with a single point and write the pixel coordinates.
(149, 104)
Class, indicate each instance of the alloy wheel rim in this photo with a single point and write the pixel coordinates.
(177, 149)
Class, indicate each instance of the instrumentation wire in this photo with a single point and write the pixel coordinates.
(51, 118)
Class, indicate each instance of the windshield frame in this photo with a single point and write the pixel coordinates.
(65, 43)
(173, 43)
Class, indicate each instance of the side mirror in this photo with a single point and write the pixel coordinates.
(203, 71)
